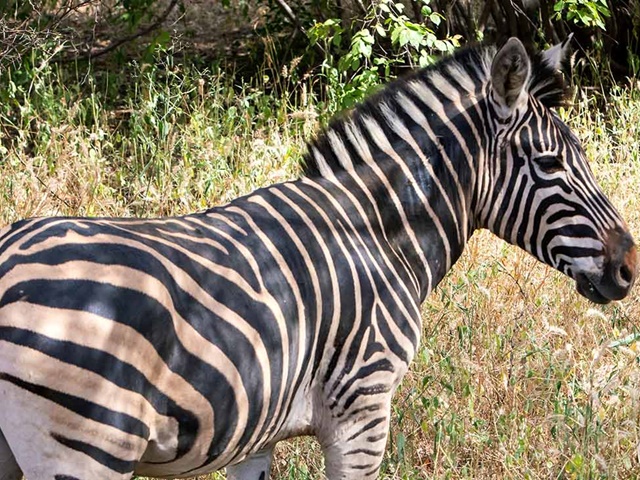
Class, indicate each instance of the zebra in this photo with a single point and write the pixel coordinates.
(178, 346)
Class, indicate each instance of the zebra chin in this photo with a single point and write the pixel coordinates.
(597, 293)
(618, 272)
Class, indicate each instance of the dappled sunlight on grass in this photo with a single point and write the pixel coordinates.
(176, 142)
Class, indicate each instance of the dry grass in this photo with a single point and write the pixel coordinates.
(517, 377)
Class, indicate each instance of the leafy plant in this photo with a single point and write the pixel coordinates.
(588, 13)
(134, 11)
(360, 56)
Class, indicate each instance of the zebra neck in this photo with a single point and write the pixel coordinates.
(428, 222)
(418, 191)
(406, 213)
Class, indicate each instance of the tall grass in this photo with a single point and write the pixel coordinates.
(152, 140)
(517, 376)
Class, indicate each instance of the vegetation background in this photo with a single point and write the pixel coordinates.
(163, 107)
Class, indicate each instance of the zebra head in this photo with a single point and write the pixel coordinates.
(540, 192)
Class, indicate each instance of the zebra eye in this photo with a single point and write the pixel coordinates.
(549, 163)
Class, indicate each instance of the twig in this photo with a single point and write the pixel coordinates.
(497, 17)
(549, 31)
(466, 22)
(15, 38)
(363, 9)
(417, 12)
(67, 11)
(484, 16)
(512, 20)
(158, 21)
(43, 183)
(292, 16)
(296, 22)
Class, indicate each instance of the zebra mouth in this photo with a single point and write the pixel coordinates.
(587, 289)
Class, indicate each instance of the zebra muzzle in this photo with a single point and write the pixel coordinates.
(619, 270)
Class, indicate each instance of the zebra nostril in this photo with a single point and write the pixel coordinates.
(626, 275)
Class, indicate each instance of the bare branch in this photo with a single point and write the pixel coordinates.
(117, 43)
(292, 16)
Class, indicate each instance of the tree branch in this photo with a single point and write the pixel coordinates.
(150, 28)
(292, 16)
(296, 22)
(484, 16)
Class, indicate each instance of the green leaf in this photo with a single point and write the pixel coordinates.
(628, 340)
(395, 35)
(366, 36)
(575, 464)
(430, 40)
(162, 39)
(584, 18)
(403, 38)
(401, 441)
(424, 61)
(414, 38)
(603, 8)
(365, 50)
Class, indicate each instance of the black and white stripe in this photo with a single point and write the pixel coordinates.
(178, 346)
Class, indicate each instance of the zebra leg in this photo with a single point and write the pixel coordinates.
(9, 469)
(356, 448)
(254, 467)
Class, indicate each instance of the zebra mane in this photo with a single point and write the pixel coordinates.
(467, 68)
(547, 84)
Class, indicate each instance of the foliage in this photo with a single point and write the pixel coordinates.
(356, 43)
(48, 12)
(26, 26)
(360, 56)
(588, 13)
(135, 11)
(151, 139)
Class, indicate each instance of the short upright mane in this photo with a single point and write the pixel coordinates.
(473, 63)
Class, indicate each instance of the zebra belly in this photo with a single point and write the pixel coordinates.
(112, 394)
(297, 422)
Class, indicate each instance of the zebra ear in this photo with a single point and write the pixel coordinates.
(510, 72)
(556, 55)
